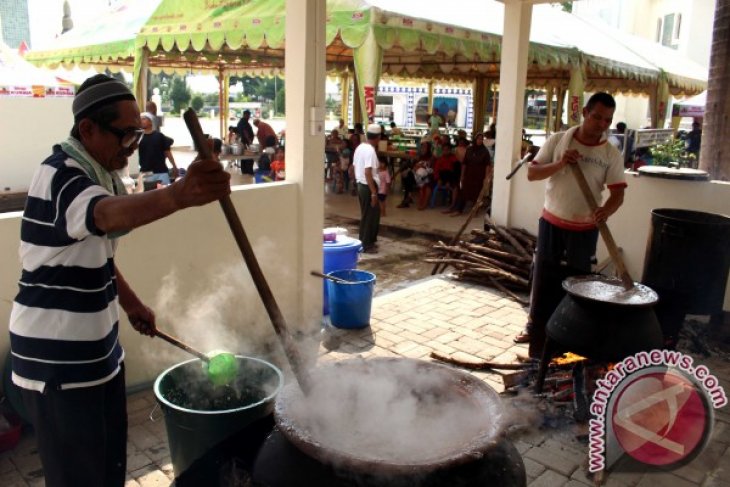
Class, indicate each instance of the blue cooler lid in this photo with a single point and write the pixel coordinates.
(343, 243)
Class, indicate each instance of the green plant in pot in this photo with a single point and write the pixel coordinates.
(672, 154)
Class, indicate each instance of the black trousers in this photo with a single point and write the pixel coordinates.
(559, 254)
(369, 216)
(81, 433)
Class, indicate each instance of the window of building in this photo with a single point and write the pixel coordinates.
(667, 32)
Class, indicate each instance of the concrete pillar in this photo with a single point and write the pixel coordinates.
(512, 81)
(305, 63)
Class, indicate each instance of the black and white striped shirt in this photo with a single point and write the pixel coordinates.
(64, 322)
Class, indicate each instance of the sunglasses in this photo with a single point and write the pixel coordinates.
(127, 137)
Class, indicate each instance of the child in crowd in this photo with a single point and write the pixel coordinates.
(408, 181)
(278, 168)
(344, 166)
(383, 185)
(232, 135)
(446, 170)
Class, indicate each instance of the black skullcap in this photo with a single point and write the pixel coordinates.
(97, 91)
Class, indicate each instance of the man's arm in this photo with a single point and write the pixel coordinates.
(537, 172)
(614, 201)
(175, 172)
(373, 187)
(204, 182)
(140, 316)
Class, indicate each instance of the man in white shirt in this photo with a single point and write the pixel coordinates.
(617, 139)
(567, 234)
(365, 161)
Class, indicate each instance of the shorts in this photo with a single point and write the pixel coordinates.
(381, 197)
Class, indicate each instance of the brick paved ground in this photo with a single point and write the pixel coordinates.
(456, 319)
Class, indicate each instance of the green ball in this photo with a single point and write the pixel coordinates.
(222, 369)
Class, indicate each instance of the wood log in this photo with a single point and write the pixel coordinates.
(473, 251)
(483, 193)
(481, 260)
(479, 365)
(519, 271)
(500, 254)
(497, 273)
(504, 234)
(527, 235)
(522, 301)
(492, 240)
(528, 243)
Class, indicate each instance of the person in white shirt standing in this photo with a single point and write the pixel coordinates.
(365, 161)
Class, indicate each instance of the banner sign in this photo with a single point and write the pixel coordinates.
(688, 111)
(575, 108)
(370, 101)
(652, 137)
(36, 91)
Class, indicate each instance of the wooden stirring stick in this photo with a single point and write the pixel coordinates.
(613, 251)
(174, 341)
(277, 318)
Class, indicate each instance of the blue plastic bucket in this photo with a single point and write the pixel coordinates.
(339, 255)
(350, 303)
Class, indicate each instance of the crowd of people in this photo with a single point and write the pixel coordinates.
(450, 165)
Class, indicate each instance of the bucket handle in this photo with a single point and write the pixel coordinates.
(156, 417)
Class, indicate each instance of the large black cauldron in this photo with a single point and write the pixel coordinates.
(604, 325)
(299, 450)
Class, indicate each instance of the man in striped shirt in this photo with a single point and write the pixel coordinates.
(64, 325)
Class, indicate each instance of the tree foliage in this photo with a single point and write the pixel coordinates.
(198, 103)
(179, 94)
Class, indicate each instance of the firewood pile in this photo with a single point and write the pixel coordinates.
(500, 258)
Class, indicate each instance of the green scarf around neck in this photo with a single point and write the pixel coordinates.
(108, 180)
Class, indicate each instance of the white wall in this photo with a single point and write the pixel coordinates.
(188, 268)
(631, 224)
(28, 129)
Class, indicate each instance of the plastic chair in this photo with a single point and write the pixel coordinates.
(445, 191)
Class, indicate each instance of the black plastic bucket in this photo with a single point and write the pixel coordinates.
(199, 415)
(688, 258)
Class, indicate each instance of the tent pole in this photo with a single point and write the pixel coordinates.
(221, 102)
(559, 110)
(356, 110)
(345, 91)
(139, 77)
(430, 98)
(549, 113)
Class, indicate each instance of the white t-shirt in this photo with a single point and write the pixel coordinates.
(565, 205)
(365, 156)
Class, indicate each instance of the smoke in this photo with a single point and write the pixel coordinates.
(224, 312)
(392, 411)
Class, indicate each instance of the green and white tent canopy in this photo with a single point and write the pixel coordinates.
(422, 40)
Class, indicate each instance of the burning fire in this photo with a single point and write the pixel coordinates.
(567, 358)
